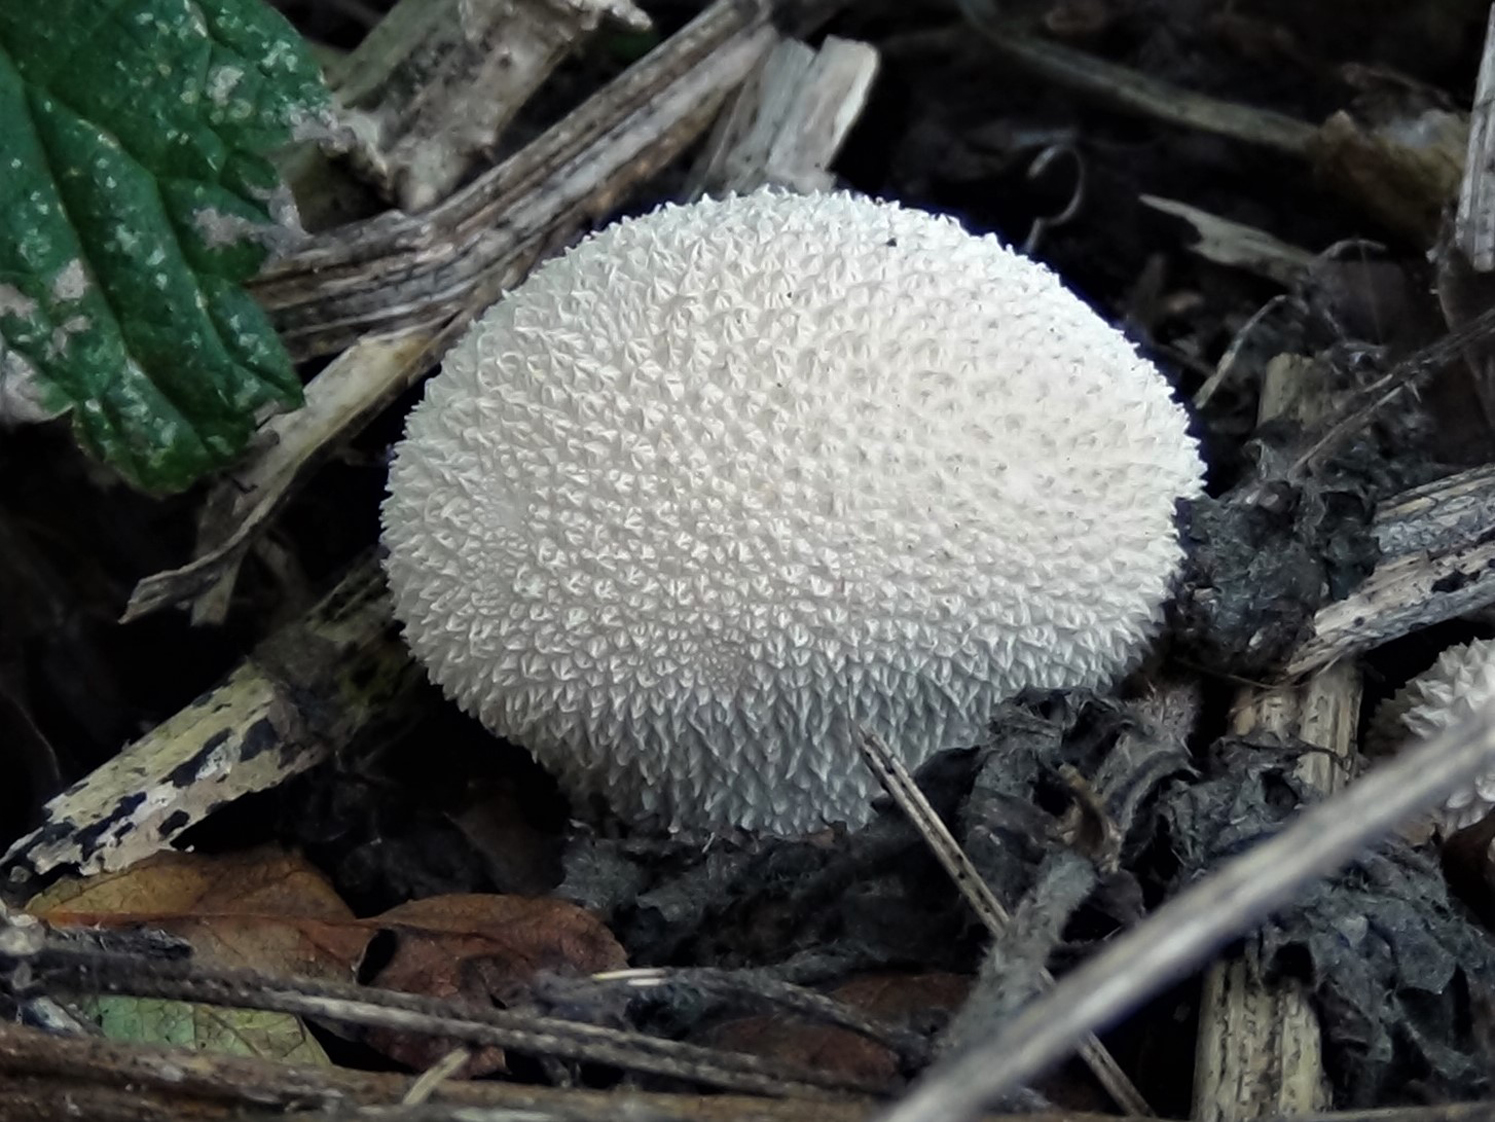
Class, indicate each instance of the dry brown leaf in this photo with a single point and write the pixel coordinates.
(264, 910)
(896, 998)
(268, 881)
(892, 998)
(823, 1048)
(273, 912)
(486, 950)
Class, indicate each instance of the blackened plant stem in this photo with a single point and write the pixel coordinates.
(1181, 936)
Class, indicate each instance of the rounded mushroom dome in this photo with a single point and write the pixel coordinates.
(724, 481)
(1457, 685)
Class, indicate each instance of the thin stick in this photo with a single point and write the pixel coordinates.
(83, 971)
(1474, 226)
(905, 792)
(1122, 88)
(1180, 936)
(1405, 374)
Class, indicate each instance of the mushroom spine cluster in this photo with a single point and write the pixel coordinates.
(1454, 688)
(727, 480)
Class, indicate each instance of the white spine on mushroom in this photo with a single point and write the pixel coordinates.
(1453, 688)
(724, 480)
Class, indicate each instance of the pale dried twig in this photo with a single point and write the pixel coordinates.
(1474, 223)
(399, 272)
(429, 91)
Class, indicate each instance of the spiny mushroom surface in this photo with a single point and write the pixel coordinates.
(1451, 690)
(723, 481)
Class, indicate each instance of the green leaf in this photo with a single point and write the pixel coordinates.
(204, 1028)
(135, 200)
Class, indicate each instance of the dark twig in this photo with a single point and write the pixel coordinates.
(1127, 90)
(754, 989)
(58, 966)
(900, 785)
(1181, 936)
(1405, 375)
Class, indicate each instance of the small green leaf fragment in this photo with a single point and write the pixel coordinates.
(205, 1028)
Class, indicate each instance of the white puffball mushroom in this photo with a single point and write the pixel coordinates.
(1451, 690)
(723, 481)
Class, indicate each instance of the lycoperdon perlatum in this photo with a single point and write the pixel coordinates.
(1458, 684)
(725, 481)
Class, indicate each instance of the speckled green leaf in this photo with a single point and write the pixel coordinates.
(134, 202)
(205, 1028)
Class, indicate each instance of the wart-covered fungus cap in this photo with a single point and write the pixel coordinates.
(1461, 682)
(723, 481)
